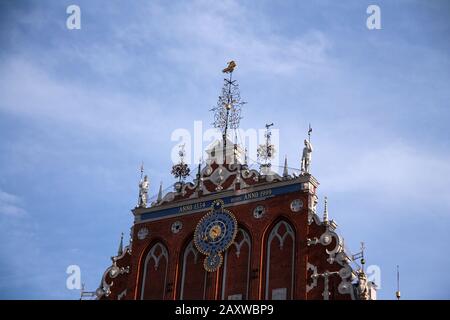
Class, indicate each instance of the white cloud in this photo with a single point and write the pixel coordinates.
(10, 205)
(32, 92)
(396, 176)
(199, 34)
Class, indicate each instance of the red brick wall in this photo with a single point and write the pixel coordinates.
(280, 262)
(237, 276)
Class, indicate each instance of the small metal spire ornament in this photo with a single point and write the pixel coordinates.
(227, 113)
(199, 176)
(325, 211)
(199, 170)
(266, 151)
(245, 166)
(360, 255)
(397, 293)
(159, 193)
(363, 261)
(285, 168)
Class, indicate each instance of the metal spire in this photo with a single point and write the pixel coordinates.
(397, 293)
(120, 251)
(266, 151)
(245, 158)
(325, 210)
(159, 193)
(235, 149)
(199, 168)
(285, 169)
(227, 113)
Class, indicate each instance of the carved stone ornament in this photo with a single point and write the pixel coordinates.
(176, 227)
(142, 233)
(259, 212)
(113, 272)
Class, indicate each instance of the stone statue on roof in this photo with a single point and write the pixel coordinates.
(143, 192)
(306, 157)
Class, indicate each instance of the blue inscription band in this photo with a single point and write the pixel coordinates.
(230, 200)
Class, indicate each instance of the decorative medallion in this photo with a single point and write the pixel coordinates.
(114, 272)
(326, 238)
(176, 226)
(214, 234)
(259, 211)
(142, 233)
(296, 205)
(213, 262)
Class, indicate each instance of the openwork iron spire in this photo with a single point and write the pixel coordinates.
(266, 151)
(227, 113)
(181, 170)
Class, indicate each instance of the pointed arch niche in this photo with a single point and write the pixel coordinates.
(155, 272)
(193, 274)
(279, 261)
(236, 268)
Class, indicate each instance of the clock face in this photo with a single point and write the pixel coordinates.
(296, 205)
(214, 234)
(213, 262)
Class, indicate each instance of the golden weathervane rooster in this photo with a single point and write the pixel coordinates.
(230, 67)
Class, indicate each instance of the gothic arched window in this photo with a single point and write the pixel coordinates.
(155, 272)
(236, 268)
(193, 275)
(280, 255)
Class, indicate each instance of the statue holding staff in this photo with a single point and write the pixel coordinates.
(306, 157)
(143, 192)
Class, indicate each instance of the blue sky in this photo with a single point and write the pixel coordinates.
(80, 110)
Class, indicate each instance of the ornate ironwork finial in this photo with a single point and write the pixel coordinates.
(266, 151)
(181, 170)
(227, 113)
(360, 255)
